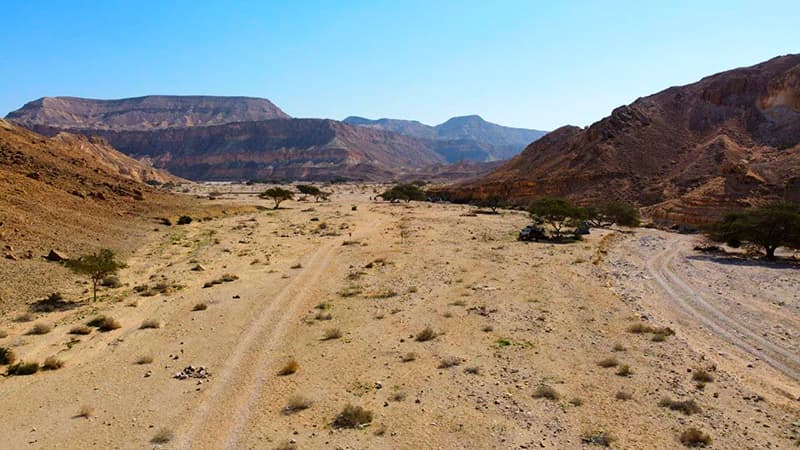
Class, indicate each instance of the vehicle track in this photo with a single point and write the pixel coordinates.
(217, 421)
(697, 308)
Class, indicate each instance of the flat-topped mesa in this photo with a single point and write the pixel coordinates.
(686, 154)
(152, 112)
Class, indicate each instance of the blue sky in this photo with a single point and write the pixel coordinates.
(519, 63)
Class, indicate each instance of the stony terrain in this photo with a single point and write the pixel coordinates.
(687, 154)
(527, 347)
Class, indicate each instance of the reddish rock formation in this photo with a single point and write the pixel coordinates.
(686, 154)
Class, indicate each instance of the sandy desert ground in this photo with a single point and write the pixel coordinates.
(530, 347)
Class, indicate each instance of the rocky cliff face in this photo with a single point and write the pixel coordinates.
(466, 138)
(143, 113)
(297, 149)
(686, 154)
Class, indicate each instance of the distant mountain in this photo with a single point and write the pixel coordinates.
(686, 154)
(461, 138)
(295, 149)
(152, 112)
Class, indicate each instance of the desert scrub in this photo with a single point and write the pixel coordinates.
(297, 403)
(425, 335)
(81, 329)
(623, 395)
(448, 362)
(7, 356)
(290, 368)
(200, 307)
(702, 376)
(52, 363)
(85, 412)
(546, 392)
(104, 323)
(408, 357)
(40, 328)
(23, 368)
(163, 436)
(144, 359)
(687, 407)
(608, 363)
(352, 417)
(624, 370)
(150, 323)
(694, 438)
(332, 333)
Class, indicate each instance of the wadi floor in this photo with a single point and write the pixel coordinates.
(509, 318)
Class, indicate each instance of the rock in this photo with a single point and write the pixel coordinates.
(11, 256)
(192, 372)
(199, 268)
(56, 256)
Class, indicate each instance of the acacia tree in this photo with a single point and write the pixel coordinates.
(610, 213)
(96, 266)
(317, 193)
(558, 213)
(405, 192)
(492, 202)
(278, 195)
(769, 227)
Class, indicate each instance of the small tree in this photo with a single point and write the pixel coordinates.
(277, 194)
(492, 202)
(317, 193)
(610, 213)
(769, 227)
(405, 192)
(558, 213)
(96, 266)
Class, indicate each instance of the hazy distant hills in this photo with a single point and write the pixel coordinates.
(239, 138)
(461, 138)
(687, 154)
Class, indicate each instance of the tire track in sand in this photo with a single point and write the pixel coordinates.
(687, 299)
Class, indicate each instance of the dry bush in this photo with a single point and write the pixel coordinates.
(702, 376)
(290, 368)
(352, 417)
(658, 337)
(608, 363)
(576, 402)
(601, 438)
(23, 368)
(297, 403)
(144, 359)
(321, 315)
(398, 396)
(150, 323)
(7, 356)
(229, 277)
(618, 348)
(547, 392)
(448, 362)
(41, 328)
(487, 329)
(408, 357)
(163, 436)
(296, 266)
(622, 395)
(426, 335)
(624, 370)
(474, 370)
(332, 333)
(104, 323)
(687, 407)
(694, 438)
(85, 412)
(200, 307)
(24, 317)
(81, 329)
(3, 334)
(324, 306)
(52, 363)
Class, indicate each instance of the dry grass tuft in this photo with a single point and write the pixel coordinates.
(104, 323)
(163, 436)
(24, 317)
(624, 370)
(23, 368)
(81, 329)
(547, 392)
(687, 407)
(297, 403)
(426, 335)
(408, 357)
(619, 348)
(322, 315)
(448, 362)
(144, 359)
(290, 368)
(40, 328)
(7, 356)
(150, 323)
(352, 417)
(200, 307)
(622, 395)
(694, 438)
(85, 412)
(52, 363)
(473, 370)
(702, 376)
(608, 363)
(332, 333)
(3, 334)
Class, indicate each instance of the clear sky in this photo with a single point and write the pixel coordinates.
(522, 63)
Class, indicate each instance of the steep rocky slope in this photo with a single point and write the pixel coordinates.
(143, 113)
(686, 154)
(297, 149)
(460, 138)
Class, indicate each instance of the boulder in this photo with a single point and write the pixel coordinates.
(56, 256)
